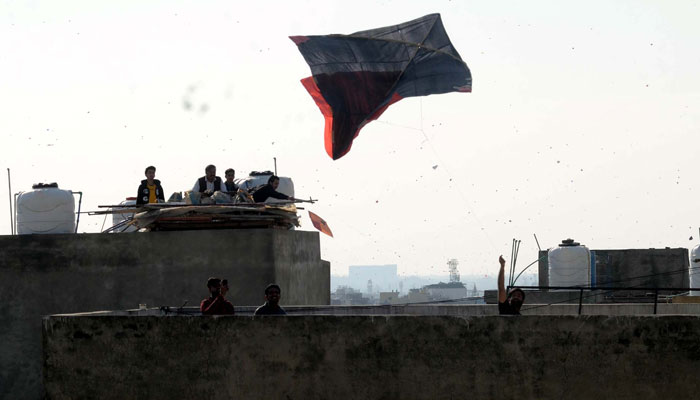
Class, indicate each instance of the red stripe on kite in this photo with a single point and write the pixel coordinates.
(311, 87)
(299, 39)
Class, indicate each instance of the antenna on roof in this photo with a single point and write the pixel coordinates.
(454, 272)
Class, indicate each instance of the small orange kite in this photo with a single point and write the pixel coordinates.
(320, 224)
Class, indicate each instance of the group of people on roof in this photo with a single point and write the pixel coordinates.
(509, 302)
(151, 191)
(216, 303)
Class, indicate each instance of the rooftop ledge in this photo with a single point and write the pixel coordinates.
(138, 354)
(466, 310)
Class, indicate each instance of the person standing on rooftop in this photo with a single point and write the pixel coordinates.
(272, 299)
(508, 303)
(150, 190)
(215, 304)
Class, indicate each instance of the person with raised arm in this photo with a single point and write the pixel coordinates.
(508, 303)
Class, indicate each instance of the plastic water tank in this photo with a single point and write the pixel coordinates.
(256, 179)
(569, 264)
(117, 218)
(694, 272)
(45, 209)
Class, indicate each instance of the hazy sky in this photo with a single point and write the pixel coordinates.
(582, 122)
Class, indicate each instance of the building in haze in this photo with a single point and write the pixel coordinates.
(384, 277)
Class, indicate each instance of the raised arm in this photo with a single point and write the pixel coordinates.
(501, 280)
(278, 195)
(212, 306)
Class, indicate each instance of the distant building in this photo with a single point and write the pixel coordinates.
(388, 297)
(383, 277)
(417, 296)
(446, 291)
(345, 296)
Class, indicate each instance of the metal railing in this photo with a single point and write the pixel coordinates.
(605, 290)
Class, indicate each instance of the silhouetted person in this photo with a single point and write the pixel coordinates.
(508, 303)
(216, 304)
(209, 183)
(272, 299)
(224, 287)
(150, 190)
(270, 190)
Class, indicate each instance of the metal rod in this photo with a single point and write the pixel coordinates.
(580, 301)
(80, 202)
(127, 225)
(607, 288)
(510, 270)
(656, 300)
(103, 223)
(538, 242)
(528, 266)
(515, 262)
(515, 259)
(15, 203)
(275, 159)
(9, 189)
(116, 226)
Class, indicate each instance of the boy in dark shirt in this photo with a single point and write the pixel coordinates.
(272, 299)
(230, 187)
(510, 303)
(150, 190)
(216, 304)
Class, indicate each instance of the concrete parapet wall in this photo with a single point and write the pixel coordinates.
(458, 310)
(373, 357)
(472, 310)
(49, 274)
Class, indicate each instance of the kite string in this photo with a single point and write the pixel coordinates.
(466, 202)
(368, 237)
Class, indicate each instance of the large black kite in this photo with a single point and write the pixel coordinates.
(356, 77)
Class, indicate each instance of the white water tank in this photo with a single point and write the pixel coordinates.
(569, 264)
(117, 218)
(45, 209)
(694, 272)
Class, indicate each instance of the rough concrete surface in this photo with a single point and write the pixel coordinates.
(371, 357)
(49, 274)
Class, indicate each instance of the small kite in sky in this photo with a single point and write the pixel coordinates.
(356, 77)
(320, 224)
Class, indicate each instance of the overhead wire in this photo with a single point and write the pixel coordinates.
(611, 291)
(573, 288)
